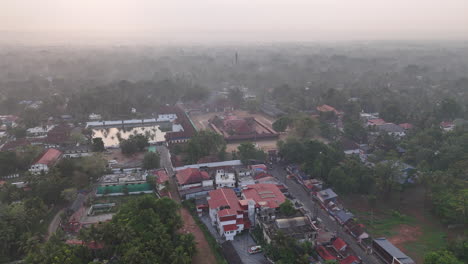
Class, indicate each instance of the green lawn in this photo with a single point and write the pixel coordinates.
(432, 238)
(384, 223)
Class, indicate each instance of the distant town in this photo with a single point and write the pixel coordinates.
(171, 171)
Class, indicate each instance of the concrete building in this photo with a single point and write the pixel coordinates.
(225, 179)
(388, 253)
(229, 215)
(46, 161)
(193, 183)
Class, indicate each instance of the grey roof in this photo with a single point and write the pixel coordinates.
(211, 164)
(328, 194)
(394, 251)
(291, 222)
(391, 128)
(344, 216)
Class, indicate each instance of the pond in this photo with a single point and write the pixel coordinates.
(111, 136)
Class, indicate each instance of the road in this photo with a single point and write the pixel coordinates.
(165, 159)
(54, 224)
(204, 254)
(299, 193)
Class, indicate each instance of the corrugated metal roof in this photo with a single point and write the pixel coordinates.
(394, 251)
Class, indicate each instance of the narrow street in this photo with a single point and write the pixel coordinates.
(299, 193)
(204, 254)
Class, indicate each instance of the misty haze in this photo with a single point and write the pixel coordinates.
(216, 132)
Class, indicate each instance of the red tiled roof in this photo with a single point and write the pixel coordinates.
(339, 244)
(377, 122)
(323, 252)
(227, 212)
(162, 176)
(406, 125)
(326, 108)
(350, 260)
(2, 183)
(265, 195)
(230, 227)
(49, 157)
(446, 124)
(191, 175)
(224, 198)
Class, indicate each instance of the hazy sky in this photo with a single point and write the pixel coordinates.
(240, 20)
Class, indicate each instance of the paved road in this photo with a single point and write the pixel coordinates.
(54, 224)
(299, 193)
(165, 159)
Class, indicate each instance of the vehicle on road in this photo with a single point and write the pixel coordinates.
(254, 249)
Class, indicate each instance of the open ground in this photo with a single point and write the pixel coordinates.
(407, 223)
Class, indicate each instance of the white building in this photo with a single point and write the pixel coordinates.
(225, 179)
(46, 161)
(167, 117)
(94, 116)
(228, 214)
(39, 132)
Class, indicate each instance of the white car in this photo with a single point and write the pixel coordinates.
(254, 249)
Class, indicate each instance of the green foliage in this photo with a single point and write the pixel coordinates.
(449, 109)
(19, 227)
(215, 247)
(151, 161)
(387, 177)
(248, 151)
(8, 163)
(451, 205)
(236, 97)
(285, 249)
(305, 127)
(281, 124)
(98, 145)
(143, 231)
(134, 144)
(205, 143)
(287, 208)
(18, 132)
(441, 257)
(355, 131)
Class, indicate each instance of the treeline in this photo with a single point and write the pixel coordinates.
(145, 230)
(25, 212)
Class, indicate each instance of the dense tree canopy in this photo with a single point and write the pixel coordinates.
(247, 151)
(151, 161)
(145, 230)
(205, 143)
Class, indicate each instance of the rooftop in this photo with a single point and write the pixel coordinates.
(224, 198)
(327, 194)
(211, 164)
(191, 175)
(339, 244)
(49, 157)
(377, 121)
(264, 195)
(391, 128)
(393, 251)
(326, 108)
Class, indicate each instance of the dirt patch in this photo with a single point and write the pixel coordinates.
(204, 253)
(124, 161)
(405, 233)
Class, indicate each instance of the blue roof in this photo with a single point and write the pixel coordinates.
(393, 251)
(344, 216)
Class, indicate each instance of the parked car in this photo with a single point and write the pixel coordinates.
(254, 249)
